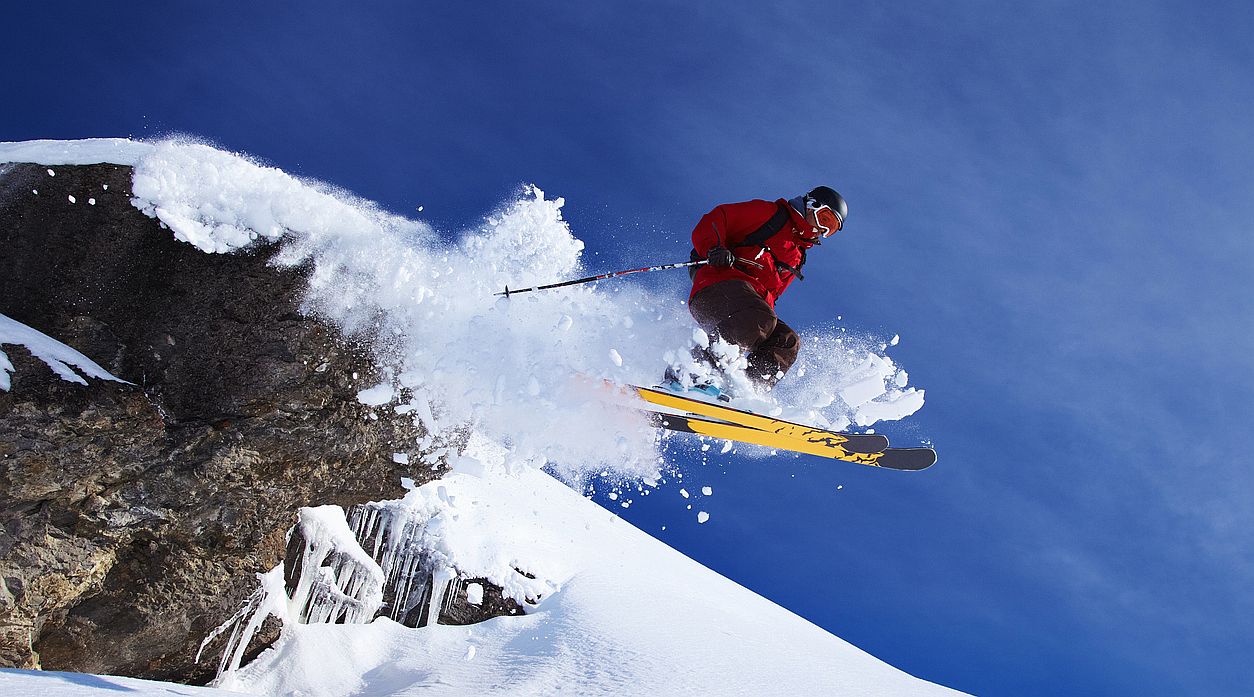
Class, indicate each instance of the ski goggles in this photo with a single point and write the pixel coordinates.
(826, 220)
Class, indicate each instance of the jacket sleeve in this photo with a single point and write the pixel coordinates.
(725, 226)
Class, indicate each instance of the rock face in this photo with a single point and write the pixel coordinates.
(133, 518)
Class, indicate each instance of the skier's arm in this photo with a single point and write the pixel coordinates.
(705, 235)
(714, 230)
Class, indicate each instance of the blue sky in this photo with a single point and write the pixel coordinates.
(1051, 203)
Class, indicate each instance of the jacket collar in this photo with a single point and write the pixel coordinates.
(798, 206)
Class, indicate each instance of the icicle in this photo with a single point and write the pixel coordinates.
(453, 594)
(233, 623)
(349, 563)
(439, 584)
(266, 605)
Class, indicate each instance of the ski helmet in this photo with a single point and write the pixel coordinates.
(821, 196)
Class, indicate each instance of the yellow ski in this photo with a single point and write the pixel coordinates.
(909, 459)
(849, 442)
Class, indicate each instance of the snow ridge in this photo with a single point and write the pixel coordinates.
(60, 358)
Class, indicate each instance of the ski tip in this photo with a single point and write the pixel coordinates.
(907, 459)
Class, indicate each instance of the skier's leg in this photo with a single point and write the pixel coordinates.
(771, 358)
(731, 310)
(734, 311)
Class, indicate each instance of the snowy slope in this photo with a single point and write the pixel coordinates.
(32, 683)
(625, 615)
(619, 613)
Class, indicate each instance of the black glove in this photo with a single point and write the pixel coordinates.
(721, 256)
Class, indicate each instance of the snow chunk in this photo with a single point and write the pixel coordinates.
(868, 387)
(700, 338)
(464, 464)
(897, 406)
(378, 395)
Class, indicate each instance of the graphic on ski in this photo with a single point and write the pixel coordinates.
(822, 439)
(911, 459)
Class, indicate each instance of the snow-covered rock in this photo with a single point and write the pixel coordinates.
(165, 413)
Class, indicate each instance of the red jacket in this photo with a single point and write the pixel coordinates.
(728, 225)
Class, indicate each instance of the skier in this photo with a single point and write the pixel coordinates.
(755, 249)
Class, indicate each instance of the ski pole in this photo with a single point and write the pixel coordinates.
(612, 274)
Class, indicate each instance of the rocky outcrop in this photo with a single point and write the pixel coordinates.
(133, 518)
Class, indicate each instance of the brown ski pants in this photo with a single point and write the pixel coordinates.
(735, 311)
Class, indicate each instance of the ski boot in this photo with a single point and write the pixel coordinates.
(701, 385)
